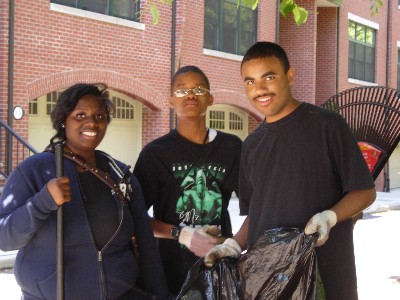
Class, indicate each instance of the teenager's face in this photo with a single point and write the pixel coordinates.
(191, 105)
(86, 125)
(267, 87)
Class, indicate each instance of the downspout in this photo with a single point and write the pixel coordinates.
(278, 2)
(173, 42)
(386, 178)
(337, 49)
(10, 87)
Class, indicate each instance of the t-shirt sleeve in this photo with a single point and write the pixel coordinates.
(144, 172)
(352, 167)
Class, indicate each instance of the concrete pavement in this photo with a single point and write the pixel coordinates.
(385, 201)
(377, 248)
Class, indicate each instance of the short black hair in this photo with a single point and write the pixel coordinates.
(187, 69)
(68, 100)
(267, 49)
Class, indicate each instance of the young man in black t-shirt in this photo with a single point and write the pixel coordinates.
(300, 168)
(188, 176)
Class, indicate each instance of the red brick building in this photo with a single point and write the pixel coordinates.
(46, 46)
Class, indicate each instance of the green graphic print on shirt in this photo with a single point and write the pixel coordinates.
(201, 200)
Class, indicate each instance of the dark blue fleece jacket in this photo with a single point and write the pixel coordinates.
(28, 217)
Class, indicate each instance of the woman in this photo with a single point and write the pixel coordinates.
(98, 225)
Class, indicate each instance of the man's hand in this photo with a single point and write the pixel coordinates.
(321, 223)
(229, 248)
(200, 240)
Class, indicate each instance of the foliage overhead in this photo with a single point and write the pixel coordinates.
(286, 7)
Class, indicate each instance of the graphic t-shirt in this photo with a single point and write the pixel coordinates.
(188, 184)
(201, 200)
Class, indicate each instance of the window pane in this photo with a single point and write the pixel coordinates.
(33, 107)
(369, 36)
(126, 9)
(248, 29)
(352, 50)
(360, 33)
(123, 109)
(235, 122)
(369, 73)
(229, 27)
(351, 69)
(359, 70)
(369, 55)
(352, 30)
(360, 50)
(71, 3)
(217, 119)
(51, 100)
(98, 6)
(211, 24)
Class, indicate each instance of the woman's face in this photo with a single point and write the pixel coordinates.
(86, 125)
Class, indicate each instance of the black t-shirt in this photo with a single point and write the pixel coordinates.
(188, 184)
(296, 167)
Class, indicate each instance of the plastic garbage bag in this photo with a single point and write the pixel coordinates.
(281, 264)
(221, 282)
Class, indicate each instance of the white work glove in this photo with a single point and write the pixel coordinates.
(228, 248)
(200, 240)
(321, 223)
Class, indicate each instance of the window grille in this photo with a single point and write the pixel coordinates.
(51, 100)
(123, 109)
(217, 119)
(33, 107)
(235, 122)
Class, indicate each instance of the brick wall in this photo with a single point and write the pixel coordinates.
(300, 44)
(3, 58)
(54, 50)
(326, 54)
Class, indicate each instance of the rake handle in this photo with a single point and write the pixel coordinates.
(58, 151)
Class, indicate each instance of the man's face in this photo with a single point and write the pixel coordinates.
(191, 105)
(267, 87)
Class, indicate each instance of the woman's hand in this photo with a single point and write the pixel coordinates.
(60, 190)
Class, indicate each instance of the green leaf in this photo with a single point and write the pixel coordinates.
(254, 6)
(286, 7)
(248, 3)
(155, 14)
(300, 15)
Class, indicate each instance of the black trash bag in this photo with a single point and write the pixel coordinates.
(221, 282)
(281, 264)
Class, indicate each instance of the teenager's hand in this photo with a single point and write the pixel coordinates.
(60, 190)
(200, 240)
(321, 223)
(229, 248)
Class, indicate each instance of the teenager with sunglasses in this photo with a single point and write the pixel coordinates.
(188, 176)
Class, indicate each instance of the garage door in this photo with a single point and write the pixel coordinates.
(394, 168)
(123, 139)
(229, 119)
